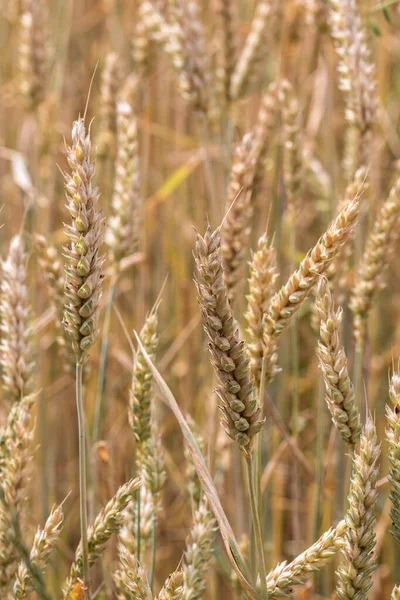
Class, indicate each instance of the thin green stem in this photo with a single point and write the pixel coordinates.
(99, 406)
(82, 479)
(256, 526)
(153, 550)
(138, 530)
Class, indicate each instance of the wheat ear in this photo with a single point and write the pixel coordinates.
(131, 578)
(43, 544)
(198, 552)
(250, 55)
(240, 412)
(16, 346)
(286, 302)
(374, 261)
(263, 276)
(339, 390)
(108, 521)
(282, 579)
(393, 438)
(358, 562)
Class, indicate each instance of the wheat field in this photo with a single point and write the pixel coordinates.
(199, 299)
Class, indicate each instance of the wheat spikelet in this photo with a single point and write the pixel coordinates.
(374, 261)
(282, 579)
(251, 53)
(153, 467)
(393, 438)
(198, 552)
(245, 173)
(83, 276)
(43, 544)
(108, 521)
(355, 570)
(240, 412)
(172, 589)
(15, 474)
(285, 303)
(339, 390)
(131, 579)
(16, 346)
(33, 52)
(263, 276)
(122, 234)
(141, 387)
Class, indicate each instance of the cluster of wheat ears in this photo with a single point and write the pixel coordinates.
(248, 110)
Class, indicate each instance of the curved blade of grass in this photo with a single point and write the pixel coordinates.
(231, 545)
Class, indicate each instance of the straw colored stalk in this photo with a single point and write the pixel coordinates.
(378, 247)
(16, 345)
(108, 521)
(282, 579)
(246, 169)
(262, 283)
(393, 438)
(286, 302)
(43, 544)
(33, 52)
(240, 411)
(339, 390)
(358, 561)
(251, 53)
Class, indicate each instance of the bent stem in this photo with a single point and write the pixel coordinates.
(99, 407)
(82, 480)
(256, 526)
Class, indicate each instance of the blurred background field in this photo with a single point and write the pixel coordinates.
(185, 158)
